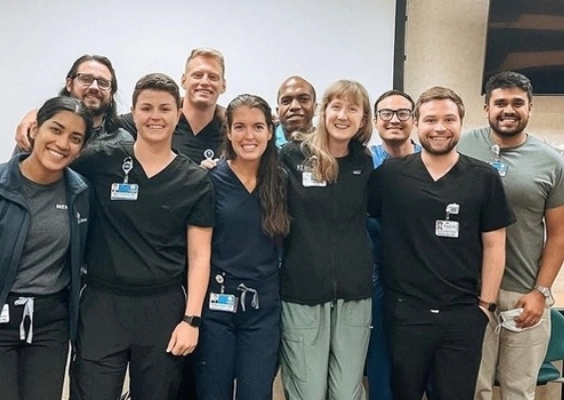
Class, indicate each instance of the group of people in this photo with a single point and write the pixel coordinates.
(296, 247)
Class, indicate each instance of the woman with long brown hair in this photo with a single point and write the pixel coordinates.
(240, 332)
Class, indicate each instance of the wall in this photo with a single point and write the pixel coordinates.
(263, 42)
(445, 45)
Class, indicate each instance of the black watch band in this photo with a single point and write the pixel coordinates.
(491, 307)
(192, 320)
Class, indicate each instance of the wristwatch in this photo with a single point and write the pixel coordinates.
(544, 291)
(491, 307)
(192, 320)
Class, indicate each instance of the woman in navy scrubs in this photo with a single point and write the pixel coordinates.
(240, 331)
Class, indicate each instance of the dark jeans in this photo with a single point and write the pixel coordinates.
(240, 346)
(378, 358)
(445, 344)
(117, 330)
(35, 371)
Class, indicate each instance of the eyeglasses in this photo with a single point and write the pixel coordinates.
(386, 114)
(87, 80)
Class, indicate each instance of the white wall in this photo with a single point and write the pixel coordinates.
(263, 42)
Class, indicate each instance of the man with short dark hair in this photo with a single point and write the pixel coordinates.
(533, 177)
(92, 80)
(393, 119)
(154, 216)
(443, 218)
(296, 107)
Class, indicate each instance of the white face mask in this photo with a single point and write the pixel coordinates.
(506, 319)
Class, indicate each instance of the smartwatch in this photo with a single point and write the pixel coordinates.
(491, 307)
(192, 320)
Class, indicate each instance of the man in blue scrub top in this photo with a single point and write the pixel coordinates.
(394, 123)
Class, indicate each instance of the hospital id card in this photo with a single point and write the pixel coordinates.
(445, 228)
(501, 167)
(308, 180)
(124, 191)
(223, 302)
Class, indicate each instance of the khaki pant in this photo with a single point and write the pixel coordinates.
(324, 348)
(517, 356)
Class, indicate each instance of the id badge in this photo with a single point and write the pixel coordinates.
(5, 314)
(124, 191)
(501, 167)
(445, 228)
(223, 302)
(308, 180)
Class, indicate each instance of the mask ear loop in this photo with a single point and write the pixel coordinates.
(500, 320)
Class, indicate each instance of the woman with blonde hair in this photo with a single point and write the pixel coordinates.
(326, 270)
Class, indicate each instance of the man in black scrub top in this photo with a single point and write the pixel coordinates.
(154, 209)
(201, 125)
(443, 218)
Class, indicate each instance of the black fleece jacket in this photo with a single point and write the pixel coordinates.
(327, 253)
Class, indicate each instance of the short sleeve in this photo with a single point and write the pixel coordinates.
(203, 212)
(496, 212)
(556, 195)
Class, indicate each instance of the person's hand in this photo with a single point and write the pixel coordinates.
(23, 128)
(533, 305)
(183, 340)
(209, 163)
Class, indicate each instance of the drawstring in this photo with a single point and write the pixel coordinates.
(245, 289)
(28, 303)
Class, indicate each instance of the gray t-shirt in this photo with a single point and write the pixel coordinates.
(42, 268)
(534, 182)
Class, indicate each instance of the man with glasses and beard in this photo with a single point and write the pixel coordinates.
(443, 217)
(92, 80)
(532, 174)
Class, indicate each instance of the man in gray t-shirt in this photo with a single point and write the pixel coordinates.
(533, 177)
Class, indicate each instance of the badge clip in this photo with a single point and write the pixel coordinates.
(209, 154)
(126, 167)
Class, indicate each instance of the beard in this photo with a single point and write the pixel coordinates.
(508, 132)
(395, 140)
(98, 109)
(440, 151)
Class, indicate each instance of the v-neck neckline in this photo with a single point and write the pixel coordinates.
(138, 167)
(443, 177)
(239, 182)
